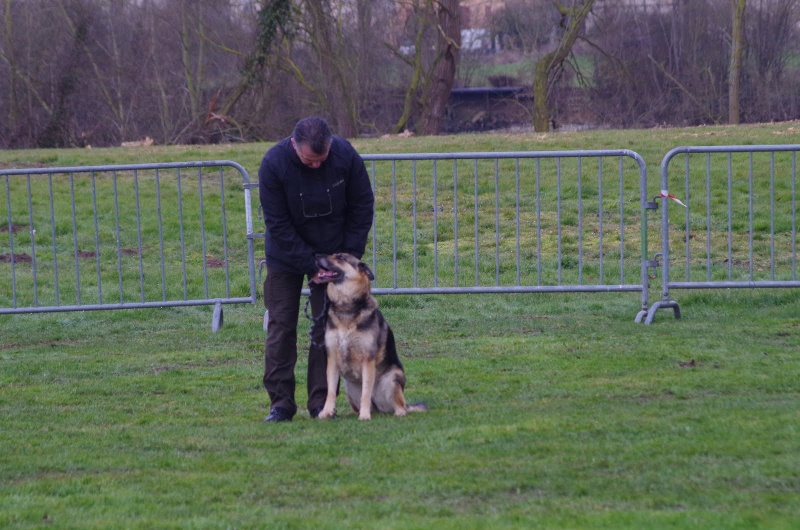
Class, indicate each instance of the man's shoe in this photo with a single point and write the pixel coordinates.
(278, 414)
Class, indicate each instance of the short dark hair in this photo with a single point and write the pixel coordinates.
(313, 132)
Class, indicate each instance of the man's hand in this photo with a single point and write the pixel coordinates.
(315, 278)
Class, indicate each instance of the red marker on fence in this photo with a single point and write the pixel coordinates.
(667, 195)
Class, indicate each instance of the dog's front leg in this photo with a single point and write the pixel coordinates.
(332, 371)
(367, 386)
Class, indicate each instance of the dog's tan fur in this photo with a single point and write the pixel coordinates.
(360, 344)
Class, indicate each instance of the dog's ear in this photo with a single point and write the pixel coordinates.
(364, 267)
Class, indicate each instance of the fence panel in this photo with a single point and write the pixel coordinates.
(738, 228)
(125, 236)
(508, 222)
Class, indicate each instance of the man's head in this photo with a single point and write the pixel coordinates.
(311, 140)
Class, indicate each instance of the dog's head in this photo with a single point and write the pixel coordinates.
(345, 273)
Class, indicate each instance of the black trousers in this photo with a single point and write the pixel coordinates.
(282, 293)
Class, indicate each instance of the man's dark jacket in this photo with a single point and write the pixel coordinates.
(314, 211)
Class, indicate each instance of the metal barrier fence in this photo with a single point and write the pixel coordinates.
(160, 235)
(570, 221)
(739, 226)
(124, 237)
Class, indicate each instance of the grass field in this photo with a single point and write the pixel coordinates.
(546, 411)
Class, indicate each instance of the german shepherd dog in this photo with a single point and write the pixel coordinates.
(360, 344)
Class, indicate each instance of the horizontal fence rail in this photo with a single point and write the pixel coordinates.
(513, 222)
(738, 228)
(125, 236)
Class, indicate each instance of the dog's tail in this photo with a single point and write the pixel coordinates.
(417, 407)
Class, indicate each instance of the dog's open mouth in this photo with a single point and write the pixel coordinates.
(326, 273)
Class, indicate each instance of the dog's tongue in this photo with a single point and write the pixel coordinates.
(326, 273)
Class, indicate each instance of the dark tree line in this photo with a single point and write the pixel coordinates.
(674, 67)
(102, 72)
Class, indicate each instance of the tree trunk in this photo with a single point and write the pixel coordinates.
(735, 70)
(417, 70)
(274, 14)
(437, 90)
(572, 20)
(339, 97)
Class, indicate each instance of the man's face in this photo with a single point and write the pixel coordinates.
(307, 155)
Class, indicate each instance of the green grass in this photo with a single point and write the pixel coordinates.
(546, 410)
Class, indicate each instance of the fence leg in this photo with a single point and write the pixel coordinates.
(217, 319)
(651, 314)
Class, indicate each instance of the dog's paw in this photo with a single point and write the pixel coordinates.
(400, 412)
(365, 417)
(327, 414)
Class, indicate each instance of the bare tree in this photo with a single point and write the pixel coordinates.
(273, 15)
(737, 51)
(97, 31)
(770, 84)
(16, 83)
(437, 88)
(550, 65)
(432, 52)
(412, 54)
(524, 25)
(78, 72)
(663, 65)
(338, 91)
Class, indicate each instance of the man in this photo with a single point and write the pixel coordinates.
(317, 199)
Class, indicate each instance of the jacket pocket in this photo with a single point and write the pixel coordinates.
(316, 204)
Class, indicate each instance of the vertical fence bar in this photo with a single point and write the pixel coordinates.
(642, 228)
(794, 216)
(476, 226)
(394, 224)
(203, 251)
(414, 221)
(12, 259)
(32, 228)
(518, 257)
(751, 216)
(182, 235)
(580, 221)
(558, 218)
(708, 217)
(161, 237)
(97, 257)
(455, 222)
(730, 216)
(600, 215)
(139, 234)
(497, 222)
(772, 214)
(54, 241)
(118, 238)
(435, 227)
(688, 194)
(75, 247)
(538, 223)
(374, 218)
(224, 216)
